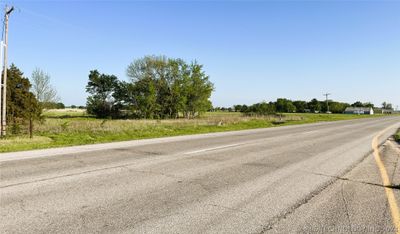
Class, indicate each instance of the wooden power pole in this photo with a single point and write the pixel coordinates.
(1, 88)
(7, 13)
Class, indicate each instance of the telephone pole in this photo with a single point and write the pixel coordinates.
(327, 104)
(7, 13)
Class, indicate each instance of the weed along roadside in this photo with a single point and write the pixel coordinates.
(397, 136)
(66, 128)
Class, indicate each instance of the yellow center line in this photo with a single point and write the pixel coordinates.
(394, 208)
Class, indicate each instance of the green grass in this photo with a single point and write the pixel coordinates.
(65, 113)
(70, 127)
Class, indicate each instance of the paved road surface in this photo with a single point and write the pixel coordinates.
(297, 179)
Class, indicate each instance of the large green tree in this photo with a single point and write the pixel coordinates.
(164, 87)
(101, 88)
(44, 92)
(337, 107)
(285, 105)
(314, 105)
(301, 106)
(197, 90)
(22, 106)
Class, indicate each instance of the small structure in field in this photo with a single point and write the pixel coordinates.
(359, 110)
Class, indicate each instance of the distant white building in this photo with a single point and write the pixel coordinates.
(359, 110)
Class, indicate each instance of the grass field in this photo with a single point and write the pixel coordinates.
(74, 127)
(65, 113)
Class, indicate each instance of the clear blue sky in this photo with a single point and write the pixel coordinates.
(252, 51)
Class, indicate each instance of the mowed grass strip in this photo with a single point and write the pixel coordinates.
(70, 128)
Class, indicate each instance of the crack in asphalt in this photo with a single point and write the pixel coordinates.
(228, 208)
(291, 209)
(346, 208)
(123, 166)
(359, 182)
(393, 186)
(62, 176)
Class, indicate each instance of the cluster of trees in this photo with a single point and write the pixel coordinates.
(360, 104)
(27, 98)
(385, 105)
(283, 105)
(158, 88)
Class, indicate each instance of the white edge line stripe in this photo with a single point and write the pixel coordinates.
(214, 148)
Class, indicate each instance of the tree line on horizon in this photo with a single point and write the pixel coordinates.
(283, 105)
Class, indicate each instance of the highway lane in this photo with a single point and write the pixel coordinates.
(236, 182)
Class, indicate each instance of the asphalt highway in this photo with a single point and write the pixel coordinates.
(314, 178)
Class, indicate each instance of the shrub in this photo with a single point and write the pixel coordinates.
(397, 136)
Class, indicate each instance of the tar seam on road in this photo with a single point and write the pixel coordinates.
(386, 181)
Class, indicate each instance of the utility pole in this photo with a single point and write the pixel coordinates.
(1, 87)
(7, 13)
(327, 104)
